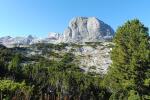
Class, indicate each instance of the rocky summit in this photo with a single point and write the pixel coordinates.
(83, 29)
(80, 30)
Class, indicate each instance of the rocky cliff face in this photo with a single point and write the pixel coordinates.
(80, 30)
(83, 29)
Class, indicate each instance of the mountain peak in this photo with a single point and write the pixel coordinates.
(80, 30)
(87, 29)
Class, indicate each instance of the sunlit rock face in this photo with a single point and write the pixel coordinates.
(26, 41)
(80, 30)
(83, 29)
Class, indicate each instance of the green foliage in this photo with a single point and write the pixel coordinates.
(131, 60)
(94, 44)
(10, 89)
(5, 57)
(14, 65)
(133, 95)
(47, 46)
(62, 78)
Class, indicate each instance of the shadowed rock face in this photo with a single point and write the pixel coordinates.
(83, 29)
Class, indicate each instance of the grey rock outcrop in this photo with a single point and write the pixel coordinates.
(91, 57)
(26, 41)
(17, 41)
(83, 29)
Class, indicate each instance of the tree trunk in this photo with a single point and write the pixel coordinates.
(1, 95)
(58, 98)
(48, 97)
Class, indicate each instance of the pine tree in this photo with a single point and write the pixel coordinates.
(130, 69)
(14, 66)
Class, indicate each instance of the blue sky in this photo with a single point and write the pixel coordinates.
(39, 17)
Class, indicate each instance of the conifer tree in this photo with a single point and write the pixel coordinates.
(130, 69)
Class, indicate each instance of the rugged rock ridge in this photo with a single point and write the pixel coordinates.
(26, 41)
(80, 30)
(11, 42)
(83, 29)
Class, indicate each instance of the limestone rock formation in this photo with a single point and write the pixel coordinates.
(83, 29)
